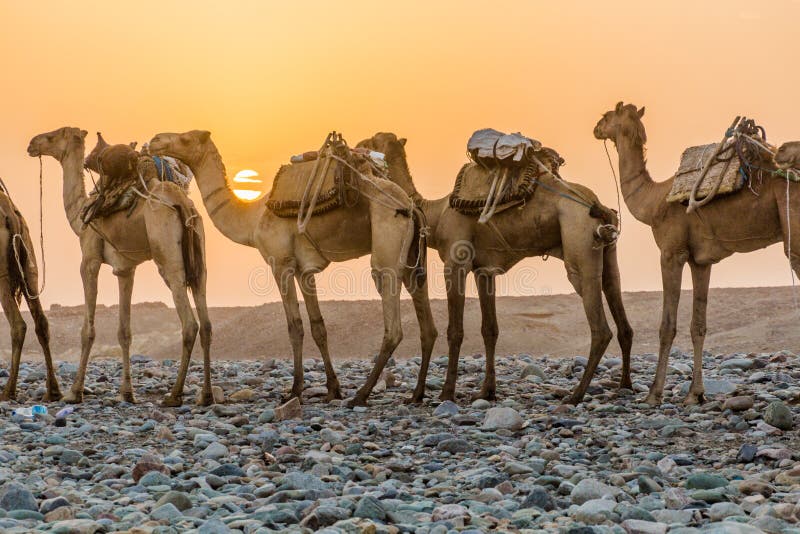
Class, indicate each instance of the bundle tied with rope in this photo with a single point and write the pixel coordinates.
(709, 171)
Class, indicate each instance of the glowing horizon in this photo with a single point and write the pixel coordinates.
(419, 69)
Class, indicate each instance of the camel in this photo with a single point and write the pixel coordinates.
(787, 157)
(19, 278)
(374, 225)
(548, 224)
(739, 222)
(158, 228)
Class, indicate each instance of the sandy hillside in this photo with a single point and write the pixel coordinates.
(751, 319)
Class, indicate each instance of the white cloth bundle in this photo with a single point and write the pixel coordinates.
(492, 144)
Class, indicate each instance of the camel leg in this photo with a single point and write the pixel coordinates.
(175, 279)
(427, 330)
(18, 327)
(284, 278)
(90, 269)
(125, 281)
(309, 289)
(671, 271)
(701, 276)
(455, 281)
(387, 281)
(588, 285)
(612, 288)
(42, 327)
(199, 296)
(490, 332)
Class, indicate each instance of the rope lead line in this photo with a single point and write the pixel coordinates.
(18, 240)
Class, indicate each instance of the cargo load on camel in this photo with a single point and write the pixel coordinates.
(319, 181)
(123, 174)
(717, 169)
(503, 173)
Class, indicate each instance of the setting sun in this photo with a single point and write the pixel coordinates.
(247, 176)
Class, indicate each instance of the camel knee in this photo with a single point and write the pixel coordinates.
(625, 334)
(667, 330)
(490, 331)
(318, 331)
(698, 330)
(18, 330)
(296, 328)
(205, 330)
(190, 332)
(455, 335)
(602, 336)
(428, 335)
(88, 333)
(392, 337)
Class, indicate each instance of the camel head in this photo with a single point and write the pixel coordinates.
(625, 120)
(788, 155)
(56, 143)
(188, 146)
(384, 142)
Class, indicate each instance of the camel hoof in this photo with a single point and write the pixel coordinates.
(126, 396)
(447, 396)
(626, 384)
(694, 398)
(287, 398)
(52, 396)
(414, 400)
(173, 402)
(73, 398)
(334, 393)
(206, 398)
(357, 401)
(653, 400)
(485, 394)
(573, 400)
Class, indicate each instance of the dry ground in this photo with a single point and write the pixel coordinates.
(748, 319)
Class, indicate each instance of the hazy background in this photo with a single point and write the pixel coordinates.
(270, 79)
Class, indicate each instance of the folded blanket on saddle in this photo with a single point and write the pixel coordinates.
(694, 160)
(334, 182)
(491, 148)
(475, 181)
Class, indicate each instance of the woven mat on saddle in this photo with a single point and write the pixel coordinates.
(331, 178)
(726, 167)
(117, 189)
(504, 170)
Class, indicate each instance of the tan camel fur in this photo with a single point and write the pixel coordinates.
(740, 222)
(15, 285)
(548, 224)
(372, 226)
(158, 228)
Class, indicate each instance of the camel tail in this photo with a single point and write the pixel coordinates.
(191, 248)
(418, 251)
(608, 231)
(15, 278)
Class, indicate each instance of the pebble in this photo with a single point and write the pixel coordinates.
(523, 462)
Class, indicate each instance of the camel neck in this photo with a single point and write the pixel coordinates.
(635, 182)
(236, 219)
(74, 188)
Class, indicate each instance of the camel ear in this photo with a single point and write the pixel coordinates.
(133, 144)
(402, 141)
(619, 106)
(84, 133)
(204, 135)
(640, 112)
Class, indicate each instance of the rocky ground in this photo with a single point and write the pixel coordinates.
(525, 463)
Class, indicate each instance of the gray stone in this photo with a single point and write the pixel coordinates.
(591, 489)
(779, 415)
(17, 497)
(369, 508)
(503, 418)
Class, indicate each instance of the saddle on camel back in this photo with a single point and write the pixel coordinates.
(122, 173)
(320, 181)
(718, 169)
(503, 173)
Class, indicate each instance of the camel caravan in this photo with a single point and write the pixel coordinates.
(508, 202)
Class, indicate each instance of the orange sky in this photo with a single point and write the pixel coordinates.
(270, 79)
